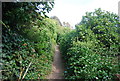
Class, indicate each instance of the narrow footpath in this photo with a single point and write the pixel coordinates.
(57, 66)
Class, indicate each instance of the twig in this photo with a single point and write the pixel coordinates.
(21, 74)
(26, 70)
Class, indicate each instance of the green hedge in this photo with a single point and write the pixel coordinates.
(28, 40)
(21, 50)
(90, 51)
(83, 63)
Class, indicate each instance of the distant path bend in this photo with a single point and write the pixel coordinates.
(57, 66)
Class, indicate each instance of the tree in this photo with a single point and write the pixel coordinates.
(17, 13)
(57, 19)
(99, 17)
(103, 24)
(66, 24)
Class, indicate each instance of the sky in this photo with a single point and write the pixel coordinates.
(72, 10)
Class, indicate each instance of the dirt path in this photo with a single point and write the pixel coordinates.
(57, 66)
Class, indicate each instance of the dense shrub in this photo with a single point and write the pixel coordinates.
(28, 45)
(104, 26)
(17, 53)
(18, 13)
(83, 63)
(60, 32)
(90, 51)
(19, 49)
(105, 44)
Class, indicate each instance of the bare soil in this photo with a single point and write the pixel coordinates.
(57, 66)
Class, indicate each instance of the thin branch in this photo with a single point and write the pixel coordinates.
(26, 70)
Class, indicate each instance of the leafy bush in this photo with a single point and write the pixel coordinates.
(19, 53)
(83, 63)
(90, 51)
(101, 26)
(23, 12)
(60, 32)
(28, 43)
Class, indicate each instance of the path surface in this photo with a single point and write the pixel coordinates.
(57, 66)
